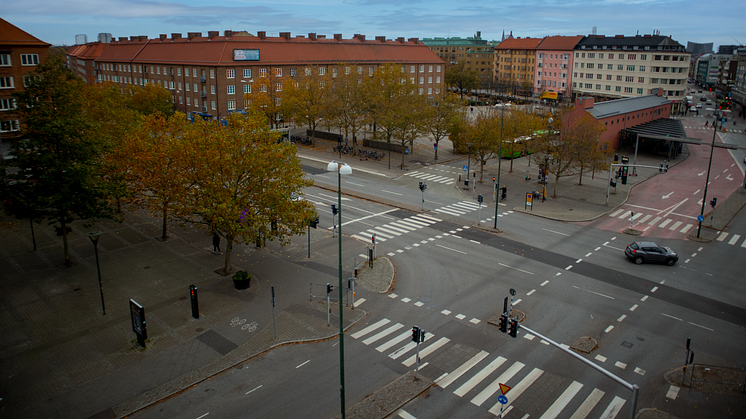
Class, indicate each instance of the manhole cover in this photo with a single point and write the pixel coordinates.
(627, 344)
(585, 344)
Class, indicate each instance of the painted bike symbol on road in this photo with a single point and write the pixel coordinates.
(241, 322)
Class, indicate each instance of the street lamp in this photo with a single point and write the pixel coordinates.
(499, 159)
(468, 165)
(709, 166)
(94, 236)
(341, 169)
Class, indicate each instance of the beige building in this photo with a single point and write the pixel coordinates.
(476, 53)
(514, 66)
(630, 66)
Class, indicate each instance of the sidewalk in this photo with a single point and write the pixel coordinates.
(61, 357)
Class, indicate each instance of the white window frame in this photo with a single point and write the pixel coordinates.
(230, 73)
(231, 89)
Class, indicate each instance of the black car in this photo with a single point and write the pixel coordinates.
(640, 252)
(702, 99)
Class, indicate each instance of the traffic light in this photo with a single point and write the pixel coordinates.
(480, 198)
(329, 288)
(660, 168)
(513, 332)
(416, 334)
(503, 323)
(713, 202)
(612, 183)
(493, 179)
(665, 168)
(625, 170)
(373, 238)
(334, 209)
(423, 186)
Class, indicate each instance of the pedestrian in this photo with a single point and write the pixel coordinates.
(707, 122)
(215, 243)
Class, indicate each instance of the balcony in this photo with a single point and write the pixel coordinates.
(203, 94)
(202, 79)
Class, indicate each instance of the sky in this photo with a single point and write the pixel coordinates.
(58, 21)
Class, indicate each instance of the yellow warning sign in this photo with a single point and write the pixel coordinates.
(504, 389)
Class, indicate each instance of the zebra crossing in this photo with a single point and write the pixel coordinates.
(478, 379)
(396, 228)
(445, 180)
(709, 128)
(651, 220)
(733, 239)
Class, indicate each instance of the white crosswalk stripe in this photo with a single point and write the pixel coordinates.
(408, 347)
(378, 233)
(613, 409)
(458, 372)
(383, 333)
(519, 388)
(484, 373)
(664, 223)
(722, 236)
(492, 388)
(590, 402)
(426, 351)
(562, 401)
(655, 220)
(615, 213)
(675, 225)
(390, 344)
(645, 218)
(370, 328)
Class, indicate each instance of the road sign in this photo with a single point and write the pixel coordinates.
(465, 168)
(504, 389)
(700, 218)
(502, 399)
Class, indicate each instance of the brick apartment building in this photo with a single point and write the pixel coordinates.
(514, 65)
(20, 53)
(215, 74)
(81, 59)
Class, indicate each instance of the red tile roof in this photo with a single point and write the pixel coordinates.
(12, 35)
(218, 50)
(90, 51)
(559, 43)
(519, 43)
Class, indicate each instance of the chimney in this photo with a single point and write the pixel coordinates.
(618, 36)
(262, 35)
(415, 40)
(212, 34)
(312, 36)
(646, 36)
(659, 92)
(285, 35)
(400, 39)
(175, 36)
(479, 34)
(337, 36)
(191, 35)
(143, 37)
(321, 36)
(584, 102)
(228, 34)
(134, 38)
(381, 39)
(124, 38)
(163, 36)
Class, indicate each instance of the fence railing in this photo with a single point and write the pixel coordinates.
(318, 292)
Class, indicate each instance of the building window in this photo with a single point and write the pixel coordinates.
(5, 60)
(230, 73)
(641, 79)
(171, 85)
(629, 79)
(599, 76)
(247, 73)
(627, 90)
(335, 70)
(178, 71)
(608, 77)
(609, 66)
(188, 86)
(189, 101)
(8, 126)
(429, 80)
(631, 56)
(422, 80)
(278, 72)
(437, 80)
(246, 88)
(653, 81)
(278, 87)
(212, 89)
(611, 55)
(601, 55)
(630, 68)
(590, 65)
(262, 72)
(293, 72)
(642, 68)
(639, 90)
(588, 86)
(598, 87)
(6, 82)
(422, 68)
(214, 105)
(322, 71)
(231, 105)
(231, 90)
(588, 75)
(7, 104)
(608, 87)
(186, 73)
(643, 56)
(179, 85)
(618, 88)
(620, 67)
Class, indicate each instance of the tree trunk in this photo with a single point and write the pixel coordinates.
(164, 235)
(228, 249)
(436, 150)
(580, 181)
(556, 182)
(68, 262)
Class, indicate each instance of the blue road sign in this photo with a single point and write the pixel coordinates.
(502, 399)
(700, 218)
(465, 168)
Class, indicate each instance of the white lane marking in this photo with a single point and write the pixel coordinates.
(481, 375)
(568, 268)
(406, 300)
(460, 316)
(622, 317)
(734, 239)
(621, 365)
(675, 225)
(383, 333)
(454, 250)
(579, 260)
(654, 289)
(408, 347)
(608, 329)
(615, 213)
(531, 292)
(458, 372)
(529, 336)
(425, 352)
(392, 295)
(405, 415)
(474, 241)
(644, 298)
(519, 388)
(743, 244)
(673, 391)
(562, 401)
(476, 320)
(600, 358)
(640, 371)
(675, 318)
(446, 312)
(367, 216)
(515, 303)
(614, 407)
(495, 385)
(722, 236)
(544, 283)
(203, 415)
(521, 270)
(419, 304)
(393, 193)
(699, 325)
(597, 249)
(394, 341)
(252, 390)
(556, 232)
(633, 307)
(370, 328)
(588, 254)
(593, 292)
(359, 301)
(303, 364)
(588, 405)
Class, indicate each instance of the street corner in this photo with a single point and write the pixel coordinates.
(376, 276)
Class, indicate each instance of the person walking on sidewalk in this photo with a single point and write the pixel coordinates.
(215, 243)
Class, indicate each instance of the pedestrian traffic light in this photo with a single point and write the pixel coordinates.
(416, 334)
(493, 179)
(660, 168)
(480, 198)
(665, 168)
(713, 202)
(329, 288)
(513, 332)
(612, 183)
(423, 186)
(503, 324)
(334, 209)
(625, 171)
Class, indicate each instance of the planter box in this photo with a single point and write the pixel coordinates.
(241, 284)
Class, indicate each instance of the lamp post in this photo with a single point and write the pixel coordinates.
(499, 159)
(341, 169)
(94, 236)
(468, 165)
(709, 166)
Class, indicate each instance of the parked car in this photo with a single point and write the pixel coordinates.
(702, 99)
(640, 252)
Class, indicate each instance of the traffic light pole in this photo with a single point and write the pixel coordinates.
(707, 181)
(634, 388)
(611, 170)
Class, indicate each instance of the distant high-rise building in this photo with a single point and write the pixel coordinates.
(696, 48)
(81, 39)
(727, 49)
(104, 38)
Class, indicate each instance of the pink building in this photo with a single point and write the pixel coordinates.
(553, 70)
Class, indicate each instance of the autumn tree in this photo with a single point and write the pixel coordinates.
(441, 116)
(242, 182)
(461, 78)
(267, 96)
(63, 150)
(148, 99)
(305, 97)
(348, 102)
(483, 133)
(518, 126)
(584, 132)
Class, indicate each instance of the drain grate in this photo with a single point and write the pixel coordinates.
(585, 344)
